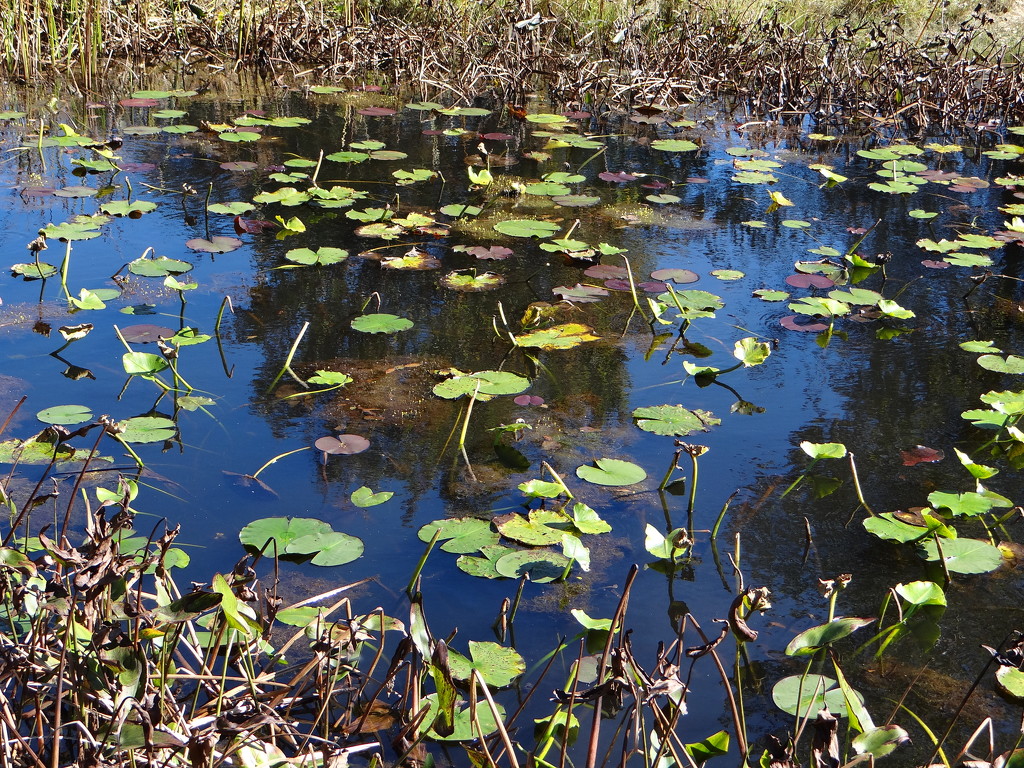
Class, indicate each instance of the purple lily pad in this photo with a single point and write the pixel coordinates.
(376, 111)
(344, 445)
(616, 176)
(802, 323)
(139, 103)
(606, 272)
(616, 284)
(495, 136)
(146, 333)
(486, 252)
(679, 276)
(239, 165)
(216, 244)
(38, 192)
(137, 167)
(809, 281)
(933, 264)
(652, 286)
(528, 400)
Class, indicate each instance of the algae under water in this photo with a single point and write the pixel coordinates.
(350, 241)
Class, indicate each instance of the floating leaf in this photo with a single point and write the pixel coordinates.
(461, 535)
(147, 429)
(803, 695)
(526, 228)
(921, 454)
(534, 531)
(65, 414)
(161, 266)
(216, 244)
(344, 445)
(543, 566)
(810, 641)
(674, 420)
(414, 259)
(674, 145)
(232, 209)
(496, 664)
(614, 472)
(381, 323)
(321, 257)
(963, 555)
(768, 294)
(1009, 364)
(484, 384)
(565, 336)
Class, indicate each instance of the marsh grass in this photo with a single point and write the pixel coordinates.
(919, 60)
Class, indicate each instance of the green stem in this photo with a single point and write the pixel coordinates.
(721, 515)
(256, 474)
(287, 367)
(63, 270)
(671, 470)
(423, 561)
(856, 485)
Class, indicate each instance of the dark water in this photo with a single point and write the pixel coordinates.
(878, 397)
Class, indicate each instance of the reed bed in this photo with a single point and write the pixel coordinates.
(924, 64)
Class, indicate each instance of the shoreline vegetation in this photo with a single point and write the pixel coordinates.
(952, 64)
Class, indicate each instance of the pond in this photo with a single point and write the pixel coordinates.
(533, 305)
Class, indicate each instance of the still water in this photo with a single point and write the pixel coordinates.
(877, 396)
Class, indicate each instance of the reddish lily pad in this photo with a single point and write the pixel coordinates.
(497, 136)
(809, 281)
(344, 445)
(528, 400)
(606, 272)
(921, 454)
(139, 103)
(932, 264)
(239, 165)
(252, 226)
(620, 177)
(376, 111)
(492, 252)
(802, 323)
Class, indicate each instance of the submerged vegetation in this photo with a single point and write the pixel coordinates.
(454, 294)
(877, 62)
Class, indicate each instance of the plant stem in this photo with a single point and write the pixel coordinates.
(721, 515)
(856, 485)
(256, 474)
(422, 562)
(287, 367)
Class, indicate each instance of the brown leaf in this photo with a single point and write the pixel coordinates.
(921, 454)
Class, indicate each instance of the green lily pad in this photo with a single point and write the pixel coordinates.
(823, 450)
(674, 420)
(469, 280)
(1010, 682)
(526, 228)
(161, 266)
(302, 536)
(381, 323)
(321, 257)
(465, 726)
(614, 472)
(964, 555)
(236, 208)
(364, 497)
(879, 741)
(1009, 364)
(586, 520)
(810, 641)
(727, 274)
(65, 414)
(544, 566)
(484, 567)
(674, 145)
(143, 364)
(461, 535)
(35, 271)
(565, 336)
(147, 429)
(414, 259)
(534, 531)
(546, 189)
(484, 383)
(803, 695)
(496, 664)
(768, 294)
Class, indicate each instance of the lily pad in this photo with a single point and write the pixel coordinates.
(674, 145)
(147, 429)
(496, 664)
(216, 244)
(65, 414)
(674, 420)
(342, 445)
(810, 641)
(803, 695)
(461, 535)
(381, 323)
(484, 384)
(321, 257)
(565, 336)
(469, 280)
(543, 566)
(614, 472)
(964, 555)
(526, 228)
(161, 266)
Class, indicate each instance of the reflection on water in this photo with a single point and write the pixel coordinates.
(877, 397)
